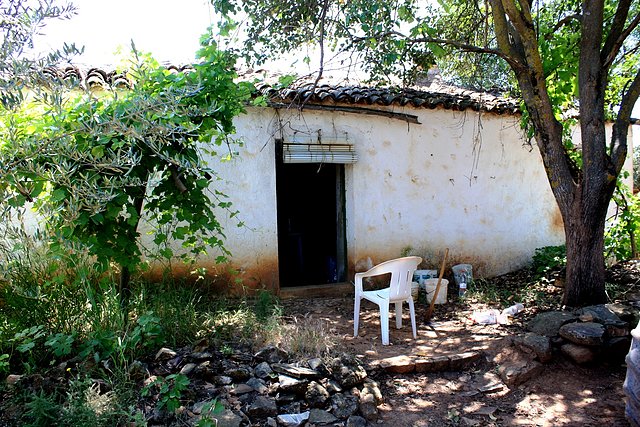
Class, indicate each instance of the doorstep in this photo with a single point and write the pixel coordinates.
(317, 291)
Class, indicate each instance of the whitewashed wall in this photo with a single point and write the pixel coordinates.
(459, 180)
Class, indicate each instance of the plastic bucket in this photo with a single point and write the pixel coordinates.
(430, 289)
(421, 275)
(415, 290)
(631, 384)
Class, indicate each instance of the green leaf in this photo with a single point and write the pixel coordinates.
(58, 195)
(97, 151)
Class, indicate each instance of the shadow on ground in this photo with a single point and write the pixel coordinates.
(563, 394)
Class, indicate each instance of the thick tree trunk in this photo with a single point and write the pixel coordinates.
(584, 232)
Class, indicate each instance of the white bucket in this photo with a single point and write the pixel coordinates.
(421, 275)
(415, 290)
(430, 289)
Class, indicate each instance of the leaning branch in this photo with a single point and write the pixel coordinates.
(610, 54)
(454, 43)
(616, 29)
(621, 125)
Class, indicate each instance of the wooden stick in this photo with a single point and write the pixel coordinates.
(435, 294)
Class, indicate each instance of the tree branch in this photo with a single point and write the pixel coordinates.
(460, 45)
(613, 44)
(621, 125)
(561, 23)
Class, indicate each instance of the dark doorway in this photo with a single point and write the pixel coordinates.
(311, 243)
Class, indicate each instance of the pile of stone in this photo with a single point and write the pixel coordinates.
(590, 335)
(594, 334)
(263, 390)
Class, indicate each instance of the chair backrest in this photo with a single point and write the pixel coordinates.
(401, 270)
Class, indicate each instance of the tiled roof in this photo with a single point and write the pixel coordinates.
(447, 97)
(434, 96)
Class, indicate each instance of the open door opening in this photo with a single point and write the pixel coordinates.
(311, 242)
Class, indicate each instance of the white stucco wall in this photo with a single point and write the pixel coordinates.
(459, 180)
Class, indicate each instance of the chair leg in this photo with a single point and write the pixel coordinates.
(398, 315)
(356, 316)
(384, 323)
(413, 317)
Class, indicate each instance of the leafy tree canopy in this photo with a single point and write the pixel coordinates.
(93, 163)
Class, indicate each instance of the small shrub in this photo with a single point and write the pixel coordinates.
(169, 390)
(549, 258)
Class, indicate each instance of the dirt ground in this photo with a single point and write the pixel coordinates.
(564, 394)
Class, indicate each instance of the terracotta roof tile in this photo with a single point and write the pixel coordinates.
(447, 97)
(434, 96)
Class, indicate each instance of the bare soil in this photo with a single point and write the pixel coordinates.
(564, 394)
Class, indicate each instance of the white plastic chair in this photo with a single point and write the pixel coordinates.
(399, 291)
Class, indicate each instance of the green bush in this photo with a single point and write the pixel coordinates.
(549, 258)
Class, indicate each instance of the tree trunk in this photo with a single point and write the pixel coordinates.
(584, 233)
(125, 271)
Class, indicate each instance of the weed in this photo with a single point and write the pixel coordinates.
(169, 390)
(209, 410)
(549, 258)
(307, 336)
(41, 409)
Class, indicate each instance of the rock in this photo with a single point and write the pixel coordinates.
(517, 367)
(258, 385)
(222, 380)
(348, 371)
(293, 420)
(318, 365)
(539, 344)
(316, 395)
(331, 385)
(165, 354)
(292, 385)
(578, 353)
(344, 405)
(295, 371)
(398, 364)
(519, 371)
(368, 405)
(13, 379)
(356, 421)
(201, 355)
(239, 389)
(262, 407)
(292, 408)
(469, 422)
(321, 417)
(188, 368)
(262, 370)
(600, 314)
(433, 364)
(588, 333)
(226, 419)
(626, 313)
(549, 323)
(271, 422)
(373, 388)
(617, 329)
(271, 354)
(238, 373)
